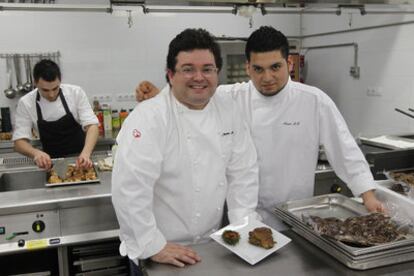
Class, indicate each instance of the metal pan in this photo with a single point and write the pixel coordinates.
(60, 184)
(333, 205)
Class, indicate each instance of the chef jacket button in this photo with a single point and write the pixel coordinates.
(219, 209)
(221, 183)
(195, 162)
(198, 215)
(197, 189)
(223, 156)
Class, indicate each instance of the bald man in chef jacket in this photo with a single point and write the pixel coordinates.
(289, 121)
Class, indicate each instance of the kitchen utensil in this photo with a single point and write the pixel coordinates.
(6, 125)
(60, 166)
(9, 92)
(28, 86)
(19, 85)
(405, 112)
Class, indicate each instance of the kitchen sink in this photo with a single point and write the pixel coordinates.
(13, 181)
(408, 136)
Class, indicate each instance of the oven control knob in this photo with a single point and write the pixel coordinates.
(38, 226)
(335, 188)
(20, 243)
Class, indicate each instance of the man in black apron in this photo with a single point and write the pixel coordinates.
(61, 137)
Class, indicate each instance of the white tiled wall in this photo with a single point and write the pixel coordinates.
(386, 60)
(106, 57)
(103, 55)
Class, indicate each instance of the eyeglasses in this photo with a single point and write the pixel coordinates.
(190, 71)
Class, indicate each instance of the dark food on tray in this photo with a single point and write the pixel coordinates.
(230, 237)
(406, 177)
(368, 230)
(73, 174)
(400, 188)
(262, 236)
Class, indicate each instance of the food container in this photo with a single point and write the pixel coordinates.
(336, 205)
(69, 183)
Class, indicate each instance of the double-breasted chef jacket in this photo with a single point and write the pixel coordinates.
(287, 130)
(174, 169)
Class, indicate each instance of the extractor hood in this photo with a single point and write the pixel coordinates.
(277, 2)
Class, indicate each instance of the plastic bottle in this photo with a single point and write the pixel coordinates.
(99, 115)
(122, 116)
(116, 124)
(107, 117)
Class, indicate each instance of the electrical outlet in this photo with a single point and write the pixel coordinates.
(374, 91)
(102, 98)
(125, 97)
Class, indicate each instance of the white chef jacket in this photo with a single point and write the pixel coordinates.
(287, 130)
(26, 116)
(174, 168)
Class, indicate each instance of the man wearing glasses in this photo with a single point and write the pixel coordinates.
(180, 156)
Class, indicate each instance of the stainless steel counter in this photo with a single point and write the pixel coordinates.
(49, 197)
(299, 257)
(71, 214)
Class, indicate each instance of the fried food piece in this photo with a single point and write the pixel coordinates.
(5, 135)
(262, 236)
(54, 179)
(73, 174)
(230, 237)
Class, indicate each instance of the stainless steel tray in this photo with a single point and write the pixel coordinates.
(331, 245)
(332, 205)
(361, 264)
(60, 184)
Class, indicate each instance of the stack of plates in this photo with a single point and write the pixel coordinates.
(336, 205)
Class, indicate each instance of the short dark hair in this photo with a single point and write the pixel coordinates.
(47, 70)
(266, 39)
(192, 39)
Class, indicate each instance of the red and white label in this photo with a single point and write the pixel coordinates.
(136, 133)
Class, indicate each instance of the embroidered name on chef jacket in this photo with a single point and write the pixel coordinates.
(227, 133)
(296, 123)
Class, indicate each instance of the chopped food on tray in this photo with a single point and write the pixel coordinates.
(73, 174)
(368, 230)
(231, 237)
(6, 136)
(406, 177)
(400, 188)
(262, 236)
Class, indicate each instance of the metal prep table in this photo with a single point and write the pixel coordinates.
(56, 221)
(298, 258)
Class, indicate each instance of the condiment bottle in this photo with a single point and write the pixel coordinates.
(122, 116)
(107, 117)
(116, 124)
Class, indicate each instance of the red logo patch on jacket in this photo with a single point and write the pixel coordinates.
(136, 133)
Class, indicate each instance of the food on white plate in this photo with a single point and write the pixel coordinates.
(230, 237)
(262, 237)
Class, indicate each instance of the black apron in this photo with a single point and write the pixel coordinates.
(62, 137)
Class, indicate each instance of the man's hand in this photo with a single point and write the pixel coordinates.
(177, 255)
(145, 90)
(372, 203)
(83, 161)
(42, 160)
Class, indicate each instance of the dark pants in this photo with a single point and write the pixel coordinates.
(135, 270)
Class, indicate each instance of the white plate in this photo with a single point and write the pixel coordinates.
(250, 253)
